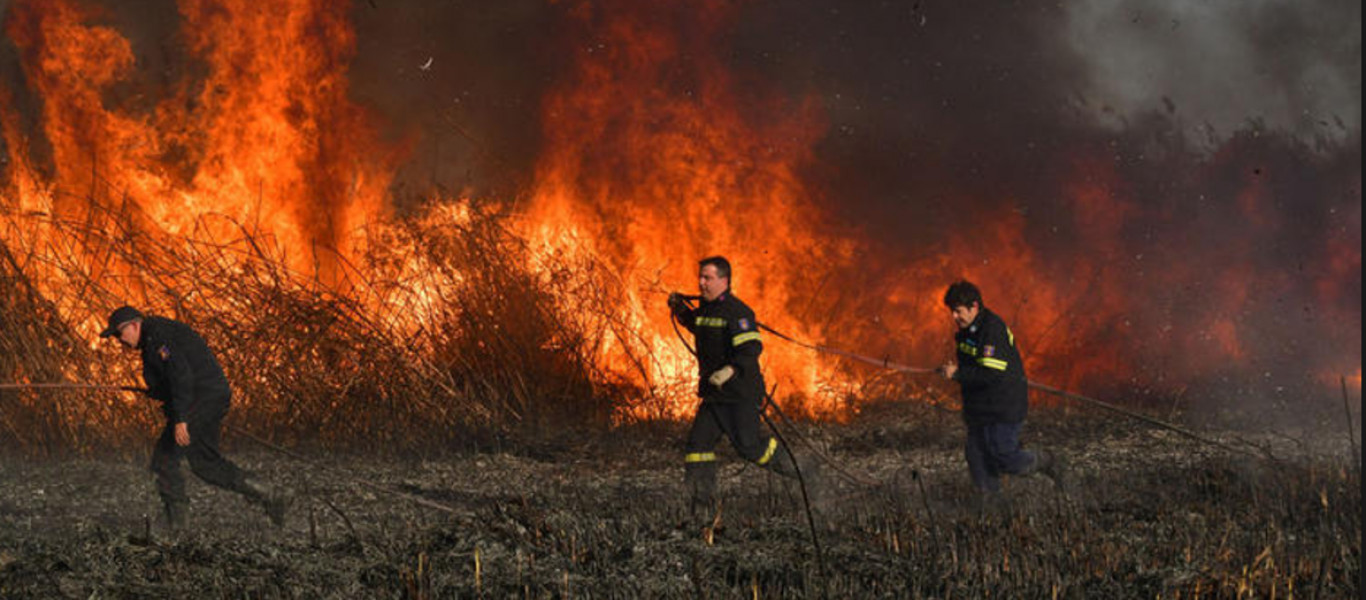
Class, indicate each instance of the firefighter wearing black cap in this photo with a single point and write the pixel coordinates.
(730, 384)
(995, 394)
(182, 373)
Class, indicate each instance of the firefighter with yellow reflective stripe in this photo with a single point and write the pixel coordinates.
(995, 393)
(730, 384)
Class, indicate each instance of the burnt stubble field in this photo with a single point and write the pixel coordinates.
(1148, 514)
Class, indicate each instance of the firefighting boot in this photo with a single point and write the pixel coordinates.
(700, 480)
(274, 501)
(175, 513)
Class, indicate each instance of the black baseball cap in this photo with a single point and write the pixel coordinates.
(121, 315)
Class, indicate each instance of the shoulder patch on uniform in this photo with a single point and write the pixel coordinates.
(988, 350)
(164, 352)
(744, 324)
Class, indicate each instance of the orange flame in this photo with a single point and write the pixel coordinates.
(652, 165)
(267, 139)
(656, 154)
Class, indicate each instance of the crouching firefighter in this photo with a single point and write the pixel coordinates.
(182, 373)
(730, 384)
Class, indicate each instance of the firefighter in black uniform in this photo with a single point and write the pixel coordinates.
(182, 373)
(995, 394)
(730, 384)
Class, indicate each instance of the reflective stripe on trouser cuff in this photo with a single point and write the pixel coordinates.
(696, 457)
(993, 363)
(768, 454)
(744, 337)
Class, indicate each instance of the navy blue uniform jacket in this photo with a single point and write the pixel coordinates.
(726, 334)
(181, 371)
(990, 372)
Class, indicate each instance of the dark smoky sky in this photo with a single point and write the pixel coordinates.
(933, 104)
(937, 111)
(472, 114)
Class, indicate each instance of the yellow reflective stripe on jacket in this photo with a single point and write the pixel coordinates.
(967, 348)
(696, 457)
(768, 454)
(993, 363)
(1011, 335)
(748, 336)
(710, 322)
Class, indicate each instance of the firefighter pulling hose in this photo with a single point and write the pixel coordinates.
(727, 347)
(730, 384)
(997, 384)
(888, 364)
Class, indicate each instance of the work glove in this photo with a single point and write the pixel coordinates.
(721, 376)
(676, 302)
(947, 370)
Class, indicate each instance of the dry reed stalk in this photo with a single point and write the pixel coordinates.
(345, 368)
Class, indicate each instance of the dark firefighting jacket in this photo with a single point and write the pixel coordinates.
(725, 333)
(990, 372)
(181, 371)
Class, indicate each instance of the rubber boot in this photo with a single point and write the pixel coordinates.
(274, 502)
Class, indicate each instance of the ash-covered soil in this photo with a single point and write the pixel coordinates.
(1149, 513)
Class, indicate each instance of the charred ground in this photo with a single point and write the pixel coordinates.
(1150, 513)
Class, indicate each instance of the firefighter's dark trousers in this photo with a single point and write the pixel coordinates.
(205, 460)
(994, 449)
(738, 421)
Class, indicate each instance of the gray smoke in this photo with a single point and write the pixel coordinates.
(1292, 65)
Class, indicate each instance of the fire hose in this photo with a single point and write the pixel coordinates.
(70, 386)
(236, 430)
(887, 364)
